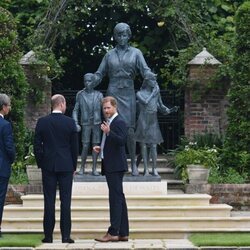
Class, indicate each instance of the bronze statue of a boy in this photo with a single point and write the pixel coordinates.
(88, 107)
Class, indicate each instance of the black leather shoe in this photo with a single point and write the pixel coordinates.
(68, 240)
(47, 240)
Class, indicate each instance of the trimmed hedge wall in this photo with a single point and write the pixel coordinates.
(237, 140)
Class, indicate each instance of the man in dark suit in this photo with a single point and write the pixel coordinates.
(114, 164)
(56, 152)
(7, 150)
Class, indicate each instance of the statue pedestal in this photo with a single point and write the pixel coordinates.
(130, 188)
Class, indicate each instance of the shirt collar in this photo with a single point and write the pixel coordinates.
(1, 115)
(57, 111)
(112, 117)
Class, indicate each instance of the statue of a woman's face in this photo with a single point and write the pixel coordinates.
(122, 38)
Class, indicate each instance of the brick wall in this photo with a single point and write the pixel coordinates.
(235, 195)
(15, 192)
(208, 112)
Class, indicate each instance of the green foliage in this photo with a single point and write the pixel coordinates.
(18, 174)
(12, 78)
(237, 141)
(202, 156)
(203, 150)
(50, 66)
(230, 175)
(207, 140)
(30, 157)
(28, 15)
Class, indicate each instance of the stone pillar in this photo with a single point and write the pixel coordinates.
(206, 113)
(38, 102)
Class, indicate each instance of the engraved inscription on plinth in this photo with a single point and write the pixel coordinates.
(130, 188)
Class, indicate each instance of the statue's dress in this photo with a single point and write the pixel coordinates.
(147, 129)
(122, 70)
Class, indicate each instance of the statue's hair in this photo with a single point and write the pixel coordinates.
(110, 99)
(88, 74)
(122, 27)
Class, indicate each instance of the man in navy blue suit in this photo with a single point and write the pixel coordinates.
(56, 152)
(114, 164)
(7, 150)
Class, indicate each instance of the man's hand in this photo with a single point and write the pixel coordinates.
(105, 127)
(78, 128)
(97, 149)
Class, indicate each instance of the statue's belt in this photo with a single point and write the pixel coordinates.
(121, 83)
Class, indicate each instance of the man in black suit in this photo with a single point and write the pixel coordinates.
(56, 152)
(7, 150)
(114, 164)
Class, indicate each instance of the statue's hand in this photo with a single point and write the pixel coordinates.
(94, 80)
(78, 128)
(156, 90)
(174, 109)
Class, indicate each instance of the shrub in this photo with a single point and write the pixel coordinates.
(12, 78)
(230, 175)
(236, 148)
(201, 150)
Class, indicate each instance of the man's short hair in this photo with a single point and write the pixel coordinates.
(4, 100)
(56, 100)
(110, 99)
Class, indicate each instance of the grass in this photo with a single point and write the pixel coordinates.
(20, 240)
(220, 239)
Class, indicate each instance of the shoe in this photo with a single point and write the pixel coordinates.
(108, 238)
(47, 240)
(68, 240)
(123, 238)
(95, 173)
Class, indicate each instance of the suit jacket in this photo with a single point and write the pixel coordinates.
(56, 143)
(7, 148)
(115, 159)
(83, 105)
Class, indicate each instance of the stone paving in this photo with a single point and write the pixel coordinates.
(138, 244)
(131, 244)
